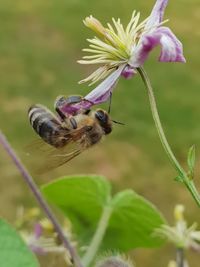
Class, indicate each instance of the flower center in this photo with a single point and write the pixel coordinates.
(114, 43)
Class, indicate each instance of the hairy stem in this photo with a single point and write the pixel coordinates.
(43, 204)
(98, 236)
(183, 175)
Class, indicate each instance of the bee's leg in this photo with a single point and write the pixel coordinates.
(67, 120)
(59, 102)
(110, 102)
(73, 123)
(62, 101)
(73, 99)
(87, 111)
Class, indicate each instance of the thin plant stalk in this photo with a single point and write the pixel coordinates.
(180, 257)
(42, 202)
(181, 172)
(98, 236)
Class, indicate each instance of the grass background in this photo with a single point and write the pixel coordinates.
(40, 42)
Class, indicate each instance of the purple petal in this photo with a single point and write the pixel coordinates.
(143, 49)
(102, 92)
(72, 109)
(37, 230)
(128, 72)
(98, 95)
(157, 13)
(171, 47)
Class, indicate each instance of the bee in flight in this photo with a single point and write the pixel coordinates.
(82, 129)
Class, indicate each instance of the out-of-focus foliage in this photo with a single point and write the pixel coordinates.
(13, 251)
(83, 199)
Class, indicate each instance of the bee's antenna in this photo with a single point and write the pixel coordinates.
(109, 110)
(118, 122)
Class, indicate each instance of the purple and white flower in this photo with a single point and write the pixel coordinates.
(118, 46)
(120, 51)
(43, 239)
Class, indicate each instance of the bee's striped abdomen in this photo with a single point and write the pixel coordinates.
(47, 126)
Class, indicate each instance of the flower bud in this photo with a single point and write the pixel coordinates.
(172, 264)
(33, 213)
(178, 212)
(47, 226)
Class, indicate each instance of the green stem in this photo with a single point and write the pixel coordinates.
(98, 236)
(185, 179)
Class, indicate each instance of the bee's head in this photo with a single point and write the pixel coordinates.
(104, 120)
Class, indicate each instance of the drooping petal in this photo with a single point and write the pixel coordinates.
(143, 49)
(157, 14)
(97, 96)
(171, 47)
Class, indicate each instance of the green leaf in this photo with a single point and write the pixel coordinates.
(179, 178)
(13, 251)
(133, 222)
(82, 199)
(191, 160)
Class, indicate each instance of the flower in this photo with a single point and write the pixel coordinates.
(44, 240)
(120, 50)
(119, 46)
(181, 235)
(40, 235)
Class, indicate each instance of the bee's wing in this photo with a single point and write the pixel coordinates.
(62, 156)
(48, 157)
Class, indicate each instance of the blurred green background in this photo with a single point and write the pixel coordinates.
(40, 42)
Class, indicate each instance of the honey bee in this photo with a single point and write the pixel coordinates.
(82, 130)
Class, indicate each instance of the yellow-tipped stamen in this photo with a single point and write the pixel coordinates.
(95, 25)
